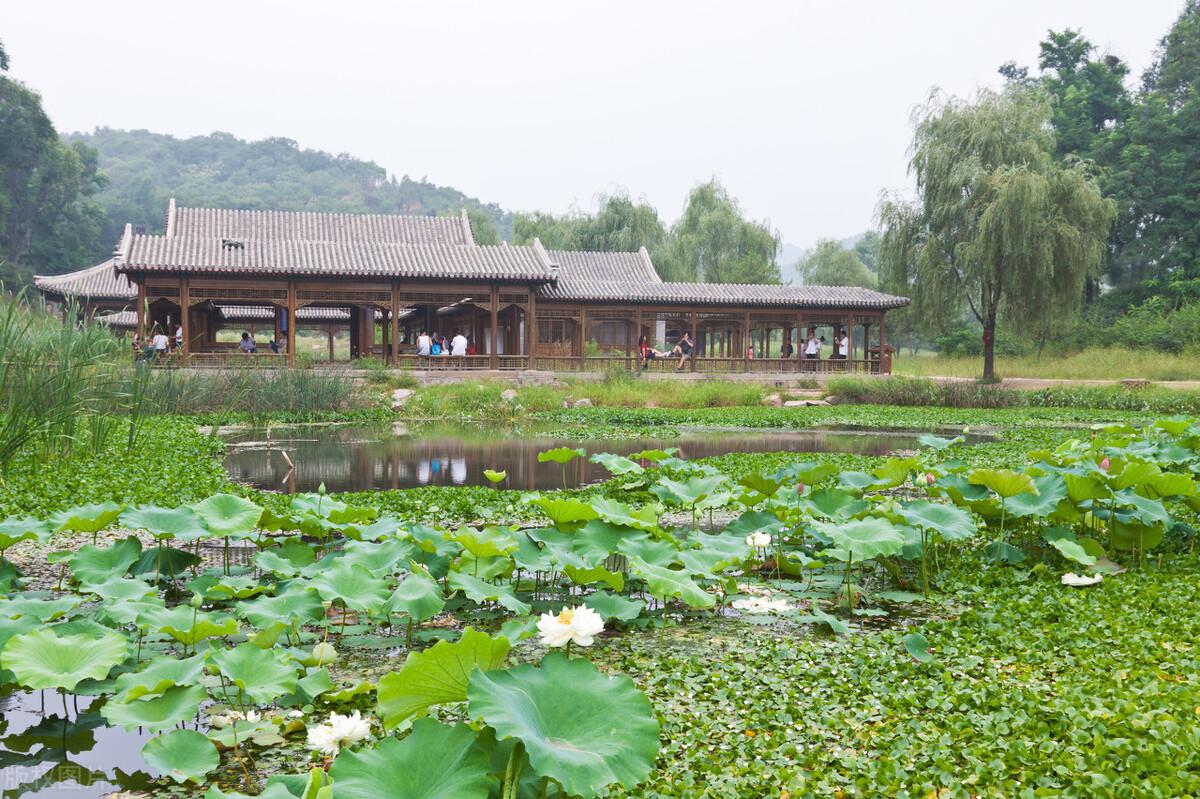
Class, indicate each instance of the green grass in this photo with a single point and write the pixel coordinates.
(1112, 363)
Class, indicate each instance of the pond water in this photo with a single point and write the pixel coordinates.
(301, 458)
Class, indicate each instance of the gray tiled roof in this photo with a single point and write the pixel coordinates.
(231, 223)
(722, 294)
(580, 268)
(360, 258)
(99, 282)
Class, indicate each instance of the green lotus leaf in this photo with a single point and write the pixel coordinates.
(585, 729)
(666, 583)
(1074, 551)
(118, 589)
(181, 524)
(654, 455)
(13, 530)
(481, 591)
(833, 503)
(937, 443)
(437, 675)
(86, 518)
(918, 646)
(188, 626)
(379, 557)
(1146, 511)
(491, 542)
(809, 472)
(1081, 488)
(297, 605)
(951, 523)
(859, 481)
(613, 607)
(617, 464)
(753, 521)
(418, 596)
(435, 761)
(1004, 482)
(224, 587)
(162, 560)
(182, 755)
(564, 510)
(228, 515)
(763, 484)
(156, 713)
(561, 455)
(261, 673)
(494, 476)
(1173, 485)
(354, 585)
(618, 513)
(596, 574)
(690, 491)
(594, 542)
(10, 628)
(36, 608)
(308, 688)
(1133, 534)
(865, 539)
(159, 676)
(1002, 552)
(92, 564)
(301, 786)
(383, 527)
(1135, 473)
(715, 553)
(818, 616)
(1050, 490)
(42, 659)
(286, 560)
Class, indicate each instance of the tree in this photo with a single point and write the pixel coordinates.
(3, 59)
(831, 264)
(619, 225)
(713, 243)
(999, 223)
(867, 249)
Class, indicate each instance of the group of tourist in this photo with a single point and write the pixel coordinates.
(437, 344)
(157, 343)
(810, 349)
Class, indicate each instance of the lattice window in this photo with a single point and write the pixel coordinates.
(350, 296)
(162, 291)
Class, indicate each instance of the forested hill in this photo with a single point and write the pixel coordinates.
(144, 169)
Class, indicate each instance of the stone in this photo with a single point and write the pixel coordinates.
(508, 395)
(795, 403)
(773, 400)
(583, 402)
(401, 396)
(831, 399)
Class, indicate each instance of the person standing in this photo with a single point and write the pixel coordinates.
(178, 337)
(162, 344)
(812, 347)
(843, 345)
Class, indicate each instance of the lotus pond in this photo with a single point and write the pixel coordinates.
(954, 621)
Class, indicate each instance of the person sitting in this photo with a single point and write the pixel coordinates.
(160, 343)
(436, 348)
(683, 348)
(458, 345)
(424, 344)
(275, 346)
(647, 352)
(246, 345)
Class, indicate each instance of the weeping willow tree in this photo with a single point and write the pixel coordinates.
(998, 223)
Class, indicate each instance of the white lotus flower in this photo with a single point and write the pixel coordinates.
(579, 626)
(759, 540)
(761, 604)
(220, 720)
(338, 732)
(1080, 580)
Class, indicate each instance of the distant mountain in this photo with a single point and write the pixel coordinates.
(144, 169)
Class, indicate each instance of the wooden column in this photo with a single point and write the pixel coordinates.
(141, 310)
(329, 334)
(185, 307)
(394, 354)
(583, 338)
(531, 334)
(638, 334)
(291, 323)
(494, 349)
(695, 339)
(746, 344)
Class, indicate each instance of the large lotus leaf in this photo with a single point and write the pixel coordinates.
(714, 553)
(226, 587)
(598, 539)
(164, 560)
(1004, 482)
(1136, 473)
(300, 786)
(484, 568)
(865, 538)
(181, 524)
(951, 523)
(1146, 511)
(1134, 535)
(1081, 488)
(42, 659)
(580, 727)
(937, 443)
(182, 755)
(833, 504)
(761, 483)
(617, 464)
(491, 542)
(187, 626)
(156, 713)
(666, 583)
(753, 521)
(654, 455)
(286, 560)
(481, 591)
(436, 761)
(564, 510)
(299, 604)
(1173, 485)
(119, 589)
(859, 481)
(809, 472)
(86, 518)
(308, 688)
(92, 564)
(596, 574)
(419, 596)
(894, 471)
(13, 530)
(34, 607)
(10, 628)
(614, 607)
(1003, 552)
(437, 675)
(1073, 550)
(261, 673)
(658, 553)
(618, 513)
(383, 527)
(688, 492)
(381, 557)
(1051, 489)
(160, 675)
(561, 455)
(228, 515)
(354, 585)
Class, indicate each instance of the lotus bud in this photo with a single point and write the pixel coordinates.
(323, 654)
(966, 430)
(196, 601)
(930, 479)
(800, 487)
(1104, 464)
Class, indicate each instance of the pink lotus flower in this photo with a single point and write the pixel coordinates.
(1104, 464)
(930, 479)
(800, 487)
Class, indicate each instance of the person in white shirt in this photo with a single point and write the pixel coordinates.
(843, 346)
(178, 337)
(458, 344)
(424, 343)
(161, 343)
(812, 347)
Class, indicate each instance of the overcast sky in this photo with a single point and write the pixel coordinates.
(802, 109)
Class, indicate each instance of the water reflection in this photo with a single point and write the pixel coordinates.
(301, 458)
